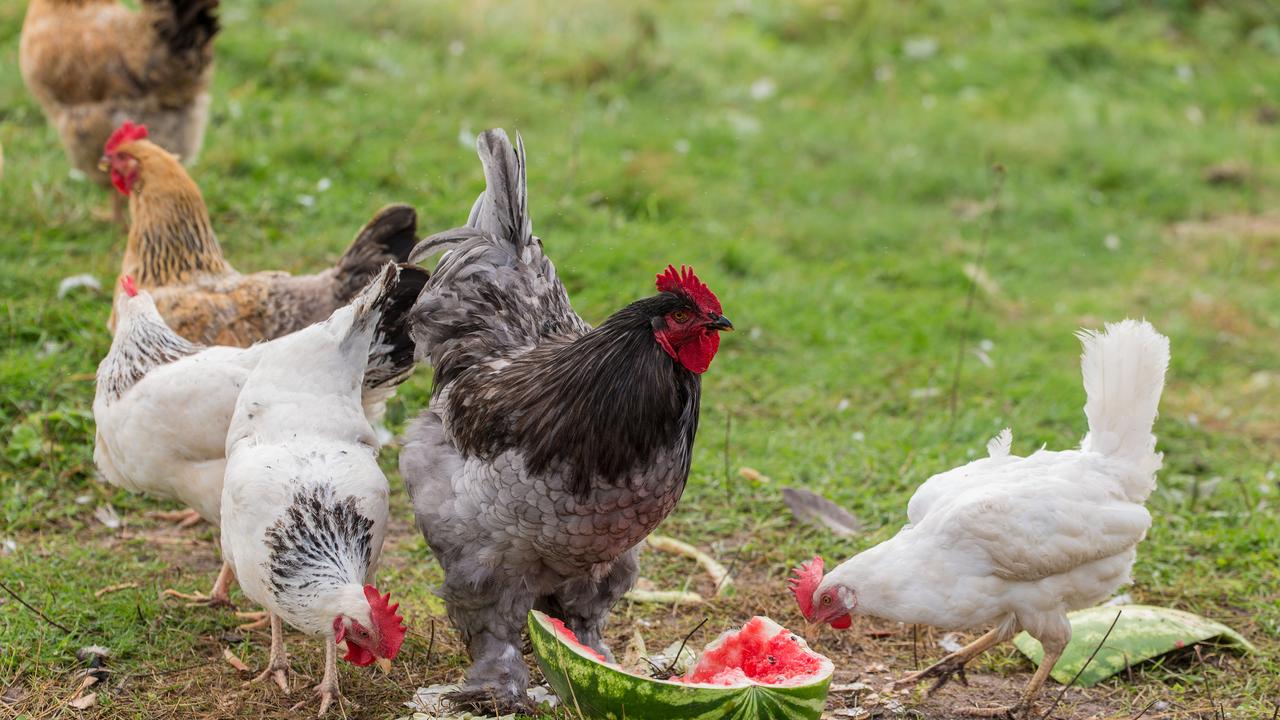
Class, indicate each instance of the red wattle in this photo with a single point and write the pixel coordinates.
(696, 354)
(842, 622)
(357, 655)
(118, 181)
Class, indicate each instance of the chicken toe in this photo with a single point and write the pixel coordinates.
(327, 691)
(953, 665)
(219, 596)
(183, 518)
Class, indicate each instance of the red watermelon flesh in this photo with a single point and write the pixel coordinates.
(567, 635)
(762, 652)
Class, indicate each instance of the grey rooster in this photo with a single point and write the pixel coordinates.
(550, 449)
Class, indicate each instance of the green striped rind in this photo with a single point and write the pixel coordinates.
(597, 690)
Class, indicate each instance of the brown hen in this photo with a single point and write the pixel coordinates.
(173, 253)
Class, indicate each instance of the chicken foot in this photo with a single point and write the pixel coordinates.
(278, 663)
(490, 619)
(327, 690)
(953, 665)
(1026, 703)
(183, 518)
(257, 620)
(219, 596)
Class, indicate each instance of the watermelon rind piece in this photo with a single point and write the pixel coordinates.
(1142, 632)
(604, 691)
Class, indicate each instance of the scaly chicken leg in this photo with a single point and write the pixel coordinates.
(278, 663)
(1026, 702)
(219, 596)
(498, 676)
(954, 663)
(583, 603)
(327, 690)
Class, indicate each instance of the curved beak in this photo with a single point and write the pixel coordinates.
(104, 164)
(720, 322)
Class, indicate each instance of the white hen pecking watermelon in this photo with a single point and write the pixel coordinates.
(762, 671)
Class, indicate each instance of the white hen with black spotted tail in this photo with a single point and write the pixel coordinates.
(304, 503)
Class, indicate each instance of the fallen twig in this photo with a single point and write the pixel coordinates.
(234, 661)
(26, 605)
(665, 597)
(114, 588)
(719, 576)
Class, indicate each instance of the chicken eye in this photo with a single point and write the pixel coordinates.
(680, 316)
(826, 599)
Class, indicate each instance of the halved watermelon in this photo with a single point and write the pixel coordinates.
(761, 671)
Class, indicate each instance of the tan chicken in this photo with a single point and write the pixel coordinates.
(93, 64)
(174, 254)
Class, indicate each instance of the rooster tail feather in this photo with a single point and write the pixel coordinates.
(503, 208)
(388, 237)
(1124, 368)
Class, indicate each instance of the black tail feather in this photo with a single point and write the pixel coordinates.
(188, 28)
(391, 354)
(388, 237)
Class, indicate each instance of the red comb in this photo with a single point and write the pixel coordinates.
(390, 625)
(126, 284)
(128, 132)
(804, 582)
(686, 282)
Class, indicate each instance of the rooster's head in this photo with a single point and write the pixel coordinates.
(689, 322)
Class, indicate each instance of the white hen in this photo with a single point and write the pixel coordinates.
(304, 503)
(163, 405)
(1013, 543)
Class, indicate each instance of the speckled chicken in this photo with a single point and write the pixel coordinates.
(173, 253)
(550, 449)
(93, 64)
(1013, 543)
(304, 502)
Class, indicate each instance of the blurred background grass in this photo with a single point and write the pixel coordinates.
(827, 168)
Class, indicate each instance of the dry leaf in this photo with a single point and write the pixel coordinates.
(234, 661)
(816, 510)
(753, 475)
(84, 702)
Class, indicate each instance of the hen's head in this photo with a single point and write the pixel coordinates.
(821, 602)
(119, 158)
(687, 320)
(377, 634)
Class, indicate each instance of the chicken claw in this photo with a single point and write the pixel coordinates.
(489, 701)
(943, 670)
(327, 690)
(184, 518)
(278, 664)
(257, 620)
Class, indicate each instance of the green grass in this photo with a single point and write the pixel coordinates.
(826, 167)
